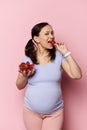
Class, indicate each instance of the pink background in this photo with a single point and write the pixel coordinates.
(69, 20)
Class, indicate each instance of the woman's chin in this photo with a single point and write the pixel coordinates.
(51, 47)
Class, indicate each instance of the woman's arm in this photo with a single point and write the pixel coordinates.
(22, 78)
(69, 65)
(71, 68)
(21, 81)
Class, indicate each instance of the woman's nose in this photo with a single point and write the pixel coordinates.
(51, 36)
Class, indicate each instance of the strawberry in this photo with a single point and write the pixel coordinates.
(21, 66)
(52, 42)
(26, 66)
(31, 67)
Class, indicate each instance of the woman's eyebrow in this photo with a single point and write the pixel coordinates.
(50, 31)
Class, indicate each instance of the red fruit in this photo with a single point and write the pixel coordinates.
(52, 42)
(21, 66)
(31, 67)
(27, 63)
(26, 66)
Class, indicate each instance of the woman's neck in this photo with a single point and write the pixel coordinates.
(41, 50)
(43, 56)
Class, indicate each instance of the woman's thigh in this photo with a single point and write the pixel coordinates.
(32, 120)
(53, 121)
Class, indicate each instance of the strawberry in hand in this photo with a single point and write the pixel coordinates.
(52, 42)
(26, 66)
(31, 67)
(21, 66)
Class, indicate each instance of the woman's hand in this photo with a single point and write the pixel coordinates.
(26, 69)
(27, 74)
(61, 47)
(22, 78)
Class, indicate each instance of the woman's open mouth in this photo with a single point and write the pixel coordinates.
(52, 42)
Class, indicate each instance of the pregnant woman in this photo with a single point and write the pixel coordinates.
(43, 102)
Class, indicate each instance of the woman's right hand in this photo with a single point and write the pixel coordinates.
(22, 78)
(27, 74)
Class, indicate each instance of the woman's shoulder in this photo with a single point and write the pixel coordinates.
(59, 56)
(26, 58)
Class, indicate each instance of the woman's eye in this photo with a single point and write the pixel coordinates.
(46, 33)
(52, 33)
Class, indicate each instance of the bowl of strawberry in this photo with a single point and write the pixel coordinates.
(26, 66)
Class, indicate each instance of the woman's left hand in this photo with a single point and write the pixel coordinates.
(61, 47)
(69, 65)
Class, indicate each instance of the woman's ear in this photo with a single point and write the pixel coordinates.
(36, 39)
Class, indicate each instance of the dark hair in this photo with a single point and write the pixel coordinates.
(29, 48)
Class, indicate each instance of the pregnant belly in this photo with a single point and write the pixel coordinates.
(43, 99)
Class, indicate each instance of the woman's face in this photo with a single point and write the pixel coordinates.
(45, 36)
